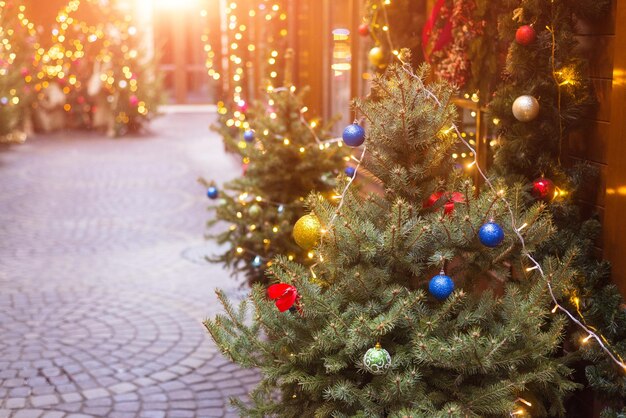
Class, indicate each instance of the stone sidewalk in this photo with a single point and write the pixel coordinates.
(102, 284)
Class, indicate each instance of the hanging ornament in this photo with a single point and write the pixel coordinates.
(377, 360)
(281, 209)
(543, 189)
(353, 135)
(248, 135)
(242, 105)
(525, 108)
(376, 56)
(441, 286)
(364, 29)
(257, 262)
(212, 192)
(254, 210)
(525, 35)
(449, 198)
(491, 234)
(350, 171)
(307, 231)
(284, 295)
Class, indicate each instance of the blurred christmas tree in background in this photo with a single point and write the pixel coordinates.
(86, 75)
(286, 158)
(15, 54)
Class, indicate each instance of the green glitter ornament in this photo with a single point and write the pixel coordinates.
(377, 360)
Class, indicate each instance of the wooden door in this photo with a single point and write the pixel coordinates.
(178, 41)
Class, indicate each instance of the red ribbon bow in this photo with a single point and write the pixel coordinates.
(284, 294)
(450, 200)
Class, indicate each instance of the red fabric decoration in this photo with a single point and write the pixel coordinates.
(285, 295)
(444, 37)
(450, 200)
(525, 35)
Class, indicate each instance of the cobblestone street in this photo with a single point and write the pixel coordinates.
(103, 282)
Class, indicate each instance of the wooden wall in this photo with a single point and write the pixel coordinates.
(599, 142)
(615, 200)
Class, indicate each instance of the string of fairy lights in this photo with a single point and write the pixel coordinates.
(242, 54)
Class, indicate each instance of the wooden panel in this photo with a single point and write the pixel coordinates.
(593, 192)
(615, 227)
(599, 51)
(309, 65)
(590, 143)
(604, 26)
(603, 89)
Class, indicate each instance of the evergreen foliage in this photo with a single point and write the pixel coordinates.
(284, 164)
(552, 71)
(474, 354)
(13, 62)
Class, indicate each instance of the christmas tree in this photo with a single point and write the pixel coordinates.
(545, 96)
(14, 68)
(285, 157)
(376, 327)
(136, 87)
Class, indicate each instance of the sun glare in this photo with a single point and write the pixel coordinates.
(167, 4)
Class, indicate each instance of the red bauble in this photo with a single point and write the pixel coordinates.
(242, 106)
(543, 189)
(525, 35)
(364, 29)
(450, 199)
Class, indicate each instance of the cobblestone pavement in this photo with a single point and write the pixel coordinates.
(102, 284)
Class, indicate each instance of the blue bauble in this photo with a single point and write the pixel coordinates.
(441, 286)
(256, 263)
(353, 135)
(350, 171)
(212, 192)
(491, 234)
(248, 135)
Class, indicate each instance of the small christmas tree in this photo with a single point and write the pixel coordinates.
(285, 158)
(381, 331)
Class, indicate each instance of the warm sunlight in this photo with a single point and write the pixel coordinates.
(166, 4)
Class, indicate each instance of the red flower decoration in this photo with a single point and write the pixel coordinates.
(284, 294)
(450, 200)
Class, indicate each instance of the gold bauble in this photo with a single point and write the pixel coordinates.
(376, 56)
(307, 231)
(525, 108)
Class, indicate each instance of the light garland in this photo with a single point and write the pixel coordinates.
(241, 54)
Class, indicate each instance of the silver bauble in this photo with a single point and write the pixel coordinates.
(525, 108)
